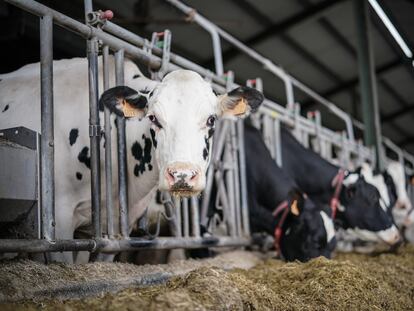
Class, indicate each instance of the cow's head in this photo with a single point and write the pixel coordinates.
(365, 211)
(183, 110)
(308, 232)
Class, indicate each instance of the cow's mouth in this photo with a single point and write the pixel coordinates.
(186, 193)
(182, 189)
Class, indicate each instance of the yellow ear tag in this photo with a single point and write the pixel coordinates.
(128, 110)
(294, 208)
(240, 107)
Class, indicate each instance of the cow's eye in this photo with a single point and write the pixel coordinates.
(211, 121)
(155, 121)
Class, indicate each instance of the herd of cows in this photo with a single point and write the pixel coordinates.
(310, 206)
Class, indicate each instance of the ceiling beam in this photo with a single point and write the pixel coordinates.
(351, 83)
(407, 141)
(274, 29)
(399, 113)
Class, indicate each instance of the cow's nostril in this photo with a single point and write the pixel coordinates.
(171, 174)
(193, 175)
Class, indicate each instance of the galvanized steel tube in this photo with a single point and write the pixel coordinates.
(122, 150)
(108, 149)
(243, 178)
(47, 153)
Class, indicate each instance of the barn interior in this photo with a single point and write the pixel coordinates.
(314, 41)
(365, 70)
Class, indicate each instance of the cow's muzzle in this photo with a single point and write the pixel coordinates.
(183, 179)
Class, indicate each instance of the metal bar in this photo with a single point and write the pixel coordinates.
(171, 243)
(195, 217)
(234, 149)
(278, 143)
(112, 246)
(186, 218)
(178, 219)
(47, 154)
(94, 128)
(369, 97)
(94, 134)
(108, 150)
(122, 156)
(243, 178)
(218, 145)
(229, 177)
(140, 42)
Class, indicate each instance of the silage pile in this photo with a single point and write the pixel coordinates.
(350, 282)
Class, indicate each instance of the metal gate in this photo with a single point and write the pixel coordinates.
(227, 169)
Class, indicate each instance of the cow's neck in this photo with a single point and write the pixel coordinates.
(313, 174)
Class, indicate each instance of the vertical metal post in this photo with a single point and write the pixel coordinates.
(94, 127)
(234, 149)
(195, 217)
(94, 134)
(243, 181)
(122, 157)
(369, 96)
(108, 149)
(186, 219)
(47, 154)
(178, 219)
(229, 178)
(278, 143)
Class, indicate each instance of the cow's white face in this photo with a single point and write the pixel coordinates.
(183, 110)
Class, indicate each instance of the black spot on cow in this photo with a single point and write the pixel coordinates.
(136, 76)
(206, 150)
(73, 135)
(84, 158)
(5, 108)
(79, 176)
(142, 155)
(210, 132)
(154, 141)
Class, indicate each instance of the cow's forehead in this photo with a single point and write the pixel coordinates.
(183, 92)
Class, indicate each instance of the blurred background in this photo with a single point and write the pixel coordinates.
(313, 40)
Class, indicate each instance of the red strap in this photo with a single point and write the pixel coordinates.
(337, 183)
(284, 206)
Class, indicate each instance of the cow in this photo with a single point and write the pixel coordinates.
(306, 229)
(358, 204)
(169, 131)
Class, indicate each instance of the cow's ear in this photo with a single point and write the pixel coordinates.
(125, 102)
(296, 202)
(240, 101)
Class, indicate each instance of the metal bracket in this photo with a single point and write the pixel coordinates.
(99, 18)
(165, 44)
(95, 130)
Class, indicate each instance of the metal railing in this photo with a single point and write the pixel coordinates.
(227, 169)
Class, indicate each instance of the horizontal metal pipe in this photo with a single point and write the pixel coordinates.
(111, 246)
(40, 246)
(171, 243)
(88, 32)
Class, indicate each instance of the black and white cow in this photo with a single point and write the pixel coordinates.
(168, 142)
(307, 231)
(361, 210)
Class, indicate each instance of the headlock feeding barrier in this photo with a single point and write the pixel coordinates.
(226, 173)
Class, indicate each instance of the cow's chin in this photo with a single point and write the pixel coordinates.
(184, 193)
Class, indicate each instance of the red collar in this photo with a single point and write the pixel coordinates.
(282, 207)
(337, 183)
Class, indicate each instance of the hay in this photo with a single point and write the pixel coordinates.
(350, 282)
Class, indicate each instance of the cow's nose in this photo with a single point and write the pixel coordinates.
(181, 178)
(394, 239)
